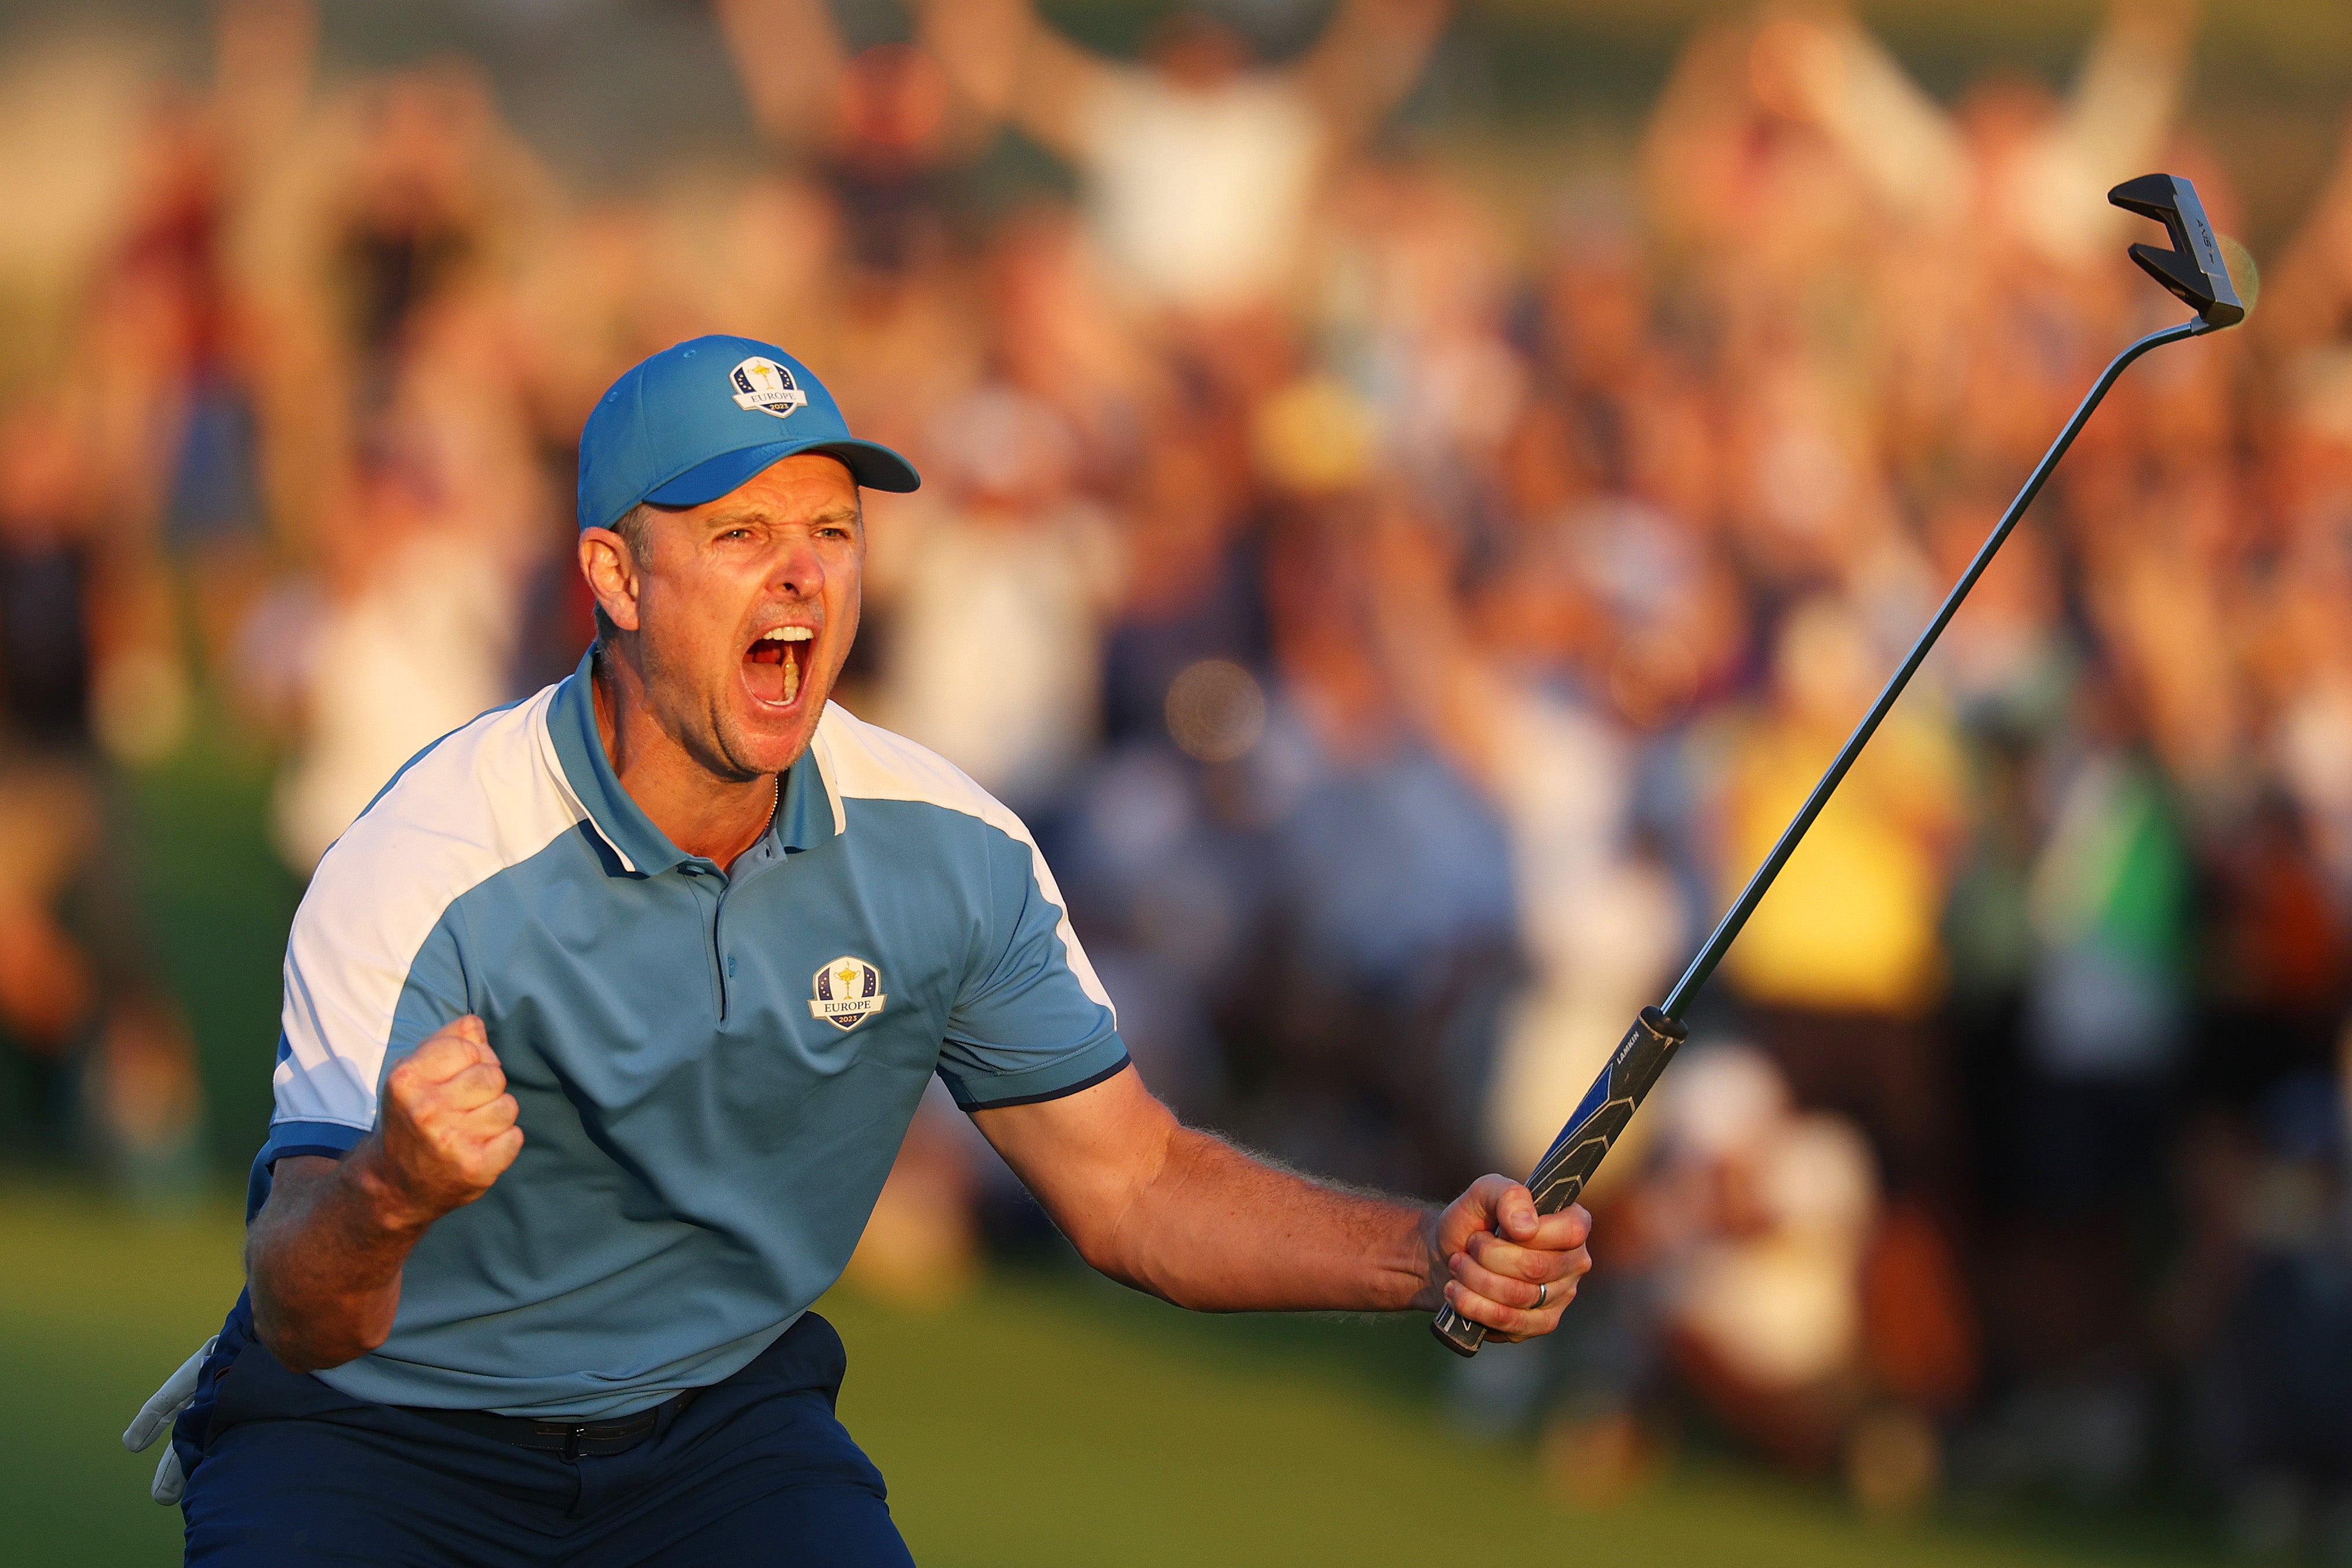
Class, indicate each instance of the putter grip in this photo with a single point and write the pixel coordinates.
(1560, 1176)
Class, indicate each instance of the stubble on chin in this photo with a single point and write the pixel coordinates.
(699, 726)
(741, 756)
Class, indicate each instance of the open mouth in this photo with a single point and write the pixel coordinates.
(776, 665)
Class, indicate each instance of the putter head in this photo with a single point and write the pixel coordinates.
(2193, 267)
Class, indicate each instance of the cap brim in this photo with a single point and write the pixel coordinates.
(874, 465)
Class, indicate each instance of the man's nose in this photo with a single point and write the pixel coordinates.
(797, 569)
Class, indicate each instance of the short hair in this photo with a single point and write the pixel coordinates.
(635, 529)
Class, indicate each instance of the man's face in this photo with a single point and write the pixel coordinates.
(743, 608)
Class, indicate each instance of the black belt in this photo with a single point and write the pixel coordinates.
(570, 1438)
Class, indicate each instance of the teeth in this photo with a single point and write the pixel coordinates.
(791, 666)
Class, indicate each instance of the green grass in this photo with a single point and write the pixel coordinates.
(1044, 1420)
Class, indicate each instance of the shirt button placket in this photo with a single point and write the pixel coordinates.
(709, 897)
(721, 966)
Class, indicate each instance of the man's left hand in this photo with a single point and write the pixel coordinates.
(1503, 1265)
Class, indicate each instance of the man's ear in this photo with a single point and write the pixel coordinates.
(611, 569)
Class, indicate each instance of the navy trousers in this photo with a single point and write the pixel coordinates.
(755, 1471)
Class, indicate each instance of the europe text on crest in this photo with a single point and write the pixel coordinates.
(762, 383)
(848, 990)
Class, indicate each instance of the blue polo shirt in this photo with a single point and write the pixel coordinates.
(715, 1069)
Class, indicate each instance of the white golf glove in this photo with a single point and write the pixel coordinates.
(179, 1391)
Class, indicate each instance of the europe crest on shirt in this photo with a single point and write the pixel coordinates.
(848, 991)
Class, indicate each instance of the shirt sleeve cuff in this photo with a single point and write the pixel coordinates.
(1096, 1064)
(286, 1139)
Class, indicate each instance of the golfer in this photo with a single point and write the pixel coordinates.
(603, 1024)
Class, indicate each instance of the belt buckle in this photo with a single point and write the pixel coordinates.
(573, 1434)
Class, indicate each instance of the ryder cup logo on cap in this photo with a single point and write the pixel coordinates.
(762, 383)
(700, 419)
(848, 992)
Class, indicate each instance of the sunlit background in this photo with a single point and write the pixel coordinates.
(1414, 496)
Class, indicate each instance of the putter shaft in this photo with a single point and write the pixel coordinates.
(1560, 1176)
(1728, 929)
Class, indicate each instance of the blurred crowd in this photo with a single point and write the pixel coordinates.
(1405, 624)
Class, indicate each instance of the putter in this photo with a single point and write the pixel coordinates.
(2193, 270)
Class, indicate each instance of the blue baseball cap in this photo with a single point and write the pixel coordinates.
(700, 418)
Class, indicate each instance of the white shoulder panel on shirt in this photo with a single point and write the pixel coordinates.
(486, 796)
(862, 761)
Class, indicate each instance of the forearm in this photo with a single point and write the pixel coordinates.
(1195, 1221)
(1369, 58)
(1214, 1229)
(323, 1259)
(1055, 87)
(789, 58)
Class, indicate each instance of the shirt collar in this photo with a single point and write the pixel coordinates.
(804, 816)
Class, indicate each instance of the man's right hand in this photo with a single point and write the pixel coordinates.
(448, 1128)
(324, 1254)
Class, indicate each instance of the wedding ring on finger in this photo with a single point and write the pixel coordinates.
(1543, 1294)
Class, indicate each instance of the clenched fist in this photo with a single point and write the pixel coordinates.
(448, 1123)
